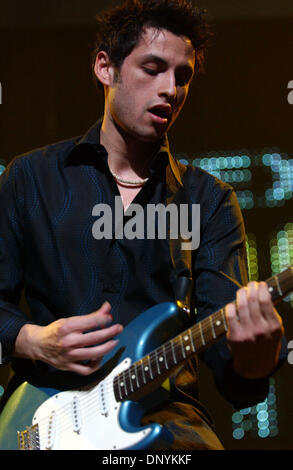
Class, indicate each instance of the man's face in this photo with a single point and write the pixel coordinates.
(152, 86)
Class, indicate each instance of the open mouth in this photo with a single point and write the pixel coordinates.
(161, 113)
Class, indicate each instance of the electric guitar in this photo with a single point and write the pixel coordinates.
(107, 415)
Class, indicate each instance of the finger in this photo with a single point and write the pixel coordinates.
(243, 307)
(92, 353)
(265, 302)
(254, 305)
(87, 322)
(79, 340)
(232, 320)
(84, 369)
(271, 315)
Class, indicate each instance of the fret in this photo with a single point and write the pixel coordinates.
(161, 359)
(124, 383)
(272, 287)
(157, 362)
(182, 347)
(201, 334)
(212, 327)
(224, 318)
(130, 381)
(150, 367)
(133, 377)
(220, 321)
(188, 342)
(191, 340)
(136, 375)
(278, 286)
(162, 362)
(120, 386)
(146, 368)
(142, 369)
(165, 357)
(173, 352)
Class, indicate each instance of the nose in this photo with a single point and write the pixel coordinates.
(168, 86)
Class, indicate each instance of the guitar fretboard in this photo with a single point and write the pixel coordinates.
(191, 341)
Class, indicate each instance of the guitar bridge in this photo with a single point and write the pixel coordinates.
(29, 439)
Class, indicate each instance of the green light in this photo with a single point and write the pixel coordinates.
(246, 425)
(237, 417)
(274, 431)
(262, 415)
(245, 411)
(262, 406)
(238, 433)
(246, 161)
(267, 159)
(264, 432)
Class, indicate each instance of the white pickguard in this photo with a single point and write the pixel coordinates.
(85, 420)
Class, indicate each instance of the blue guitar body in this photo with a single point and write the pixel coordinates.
(120, 419)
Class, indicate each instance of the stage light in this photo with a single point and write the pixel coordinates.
(252, 257)
(281, 252)
(259, 420)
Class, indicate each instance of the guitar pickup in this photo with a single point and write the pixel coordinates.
(76, 415)
(103, 402)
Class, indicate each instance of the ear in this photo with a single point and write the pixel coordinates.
(104, 69)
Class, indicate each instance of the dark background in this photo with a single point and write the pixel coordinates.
(239, 103)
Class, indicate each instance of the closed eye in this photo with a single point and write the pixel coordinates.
(150, 71)
(180, 80)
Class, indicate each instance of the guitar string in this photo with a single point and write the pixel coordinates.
(66, 422)
(152, 357)
(152, 362)
(86, 401)
(65, 410)
(194, 333)
(91, 396)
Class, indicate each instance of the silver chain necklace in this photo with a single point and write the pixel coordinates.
(128, 182)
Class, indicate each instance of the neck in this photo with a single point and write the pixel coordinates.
(127, 156)
(144, 375)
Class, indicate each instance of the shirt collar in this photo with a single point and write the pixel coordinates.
(88, 146)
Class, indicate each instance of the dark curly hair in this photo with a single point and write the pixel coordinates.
(120, 28)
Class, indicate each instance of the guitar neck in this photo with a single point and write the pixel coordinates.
(174, 352)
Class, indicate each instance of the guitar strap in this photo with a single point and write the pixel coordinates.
(181, 276)
(184, 379)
